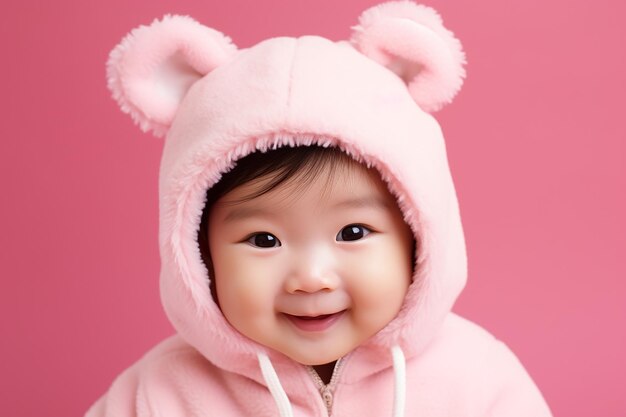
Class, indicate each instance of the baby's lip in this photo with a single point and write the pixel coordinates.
(313, 316)
(314, 323)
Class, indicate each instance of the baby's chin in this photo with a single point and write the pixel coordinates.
(315, 362)
(316, 358)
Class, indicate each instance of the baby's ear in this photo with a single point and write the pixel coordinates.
(154, 66)
(410, 40)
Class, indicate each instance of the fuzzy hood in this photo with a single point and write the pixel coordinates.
(371, 96)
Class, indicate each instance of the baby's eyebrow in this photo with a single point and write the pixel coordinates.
(370, 201)
(245, 212)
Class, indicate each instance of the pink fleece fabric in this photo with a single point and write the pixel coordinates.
(370, 97)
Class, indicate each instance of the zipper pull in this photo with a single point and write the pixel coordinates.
(327, 396)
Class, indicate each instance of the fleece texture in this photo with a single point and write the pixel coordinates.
(370, 96)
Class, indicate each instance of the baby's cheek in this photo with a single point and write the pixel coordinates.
(254, 284)
(246, 307)
(384, 277)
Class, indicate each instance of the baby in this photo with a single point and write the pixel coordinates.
(309, 253)
(310, 237)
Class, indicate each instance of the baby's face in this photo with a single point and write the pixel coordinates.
(311, 272)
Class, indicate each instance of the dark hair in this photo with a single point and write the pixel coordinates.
(282, 164)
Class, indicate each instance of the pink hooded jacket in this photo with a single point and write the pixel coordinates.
(371, 97)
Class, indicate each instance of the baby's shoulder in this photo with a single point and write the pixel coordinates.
(458, 354)
(171, 376)
(172, 358)
(171, 348)
(460, 340)
(458, 327)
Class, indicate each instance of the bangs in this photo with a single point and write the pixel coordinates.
(298, 165)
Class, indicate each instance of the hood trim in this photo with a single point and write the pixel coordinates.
(194, 275)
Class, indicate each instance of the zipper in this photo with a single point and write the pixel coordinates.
(326, 391)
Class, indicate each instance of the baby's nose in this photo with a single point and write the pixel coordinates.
(313, 271)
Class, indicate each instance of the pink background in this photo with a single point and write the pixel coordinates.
(536, 142)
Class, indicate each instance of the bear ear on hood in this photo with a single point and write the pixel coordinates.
(152, 68)
(410, 40)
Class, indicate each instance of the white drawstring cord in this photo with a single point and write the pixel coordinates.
(273, 384)
(399, 373)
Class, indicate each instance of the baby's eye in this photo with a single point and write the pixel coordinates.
(263, 240)
(352, 232)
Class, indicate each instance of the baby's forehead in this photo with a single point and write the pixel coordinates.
(287, 208)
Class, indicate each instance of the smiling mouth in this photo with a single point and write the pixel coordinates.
(314, 323)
